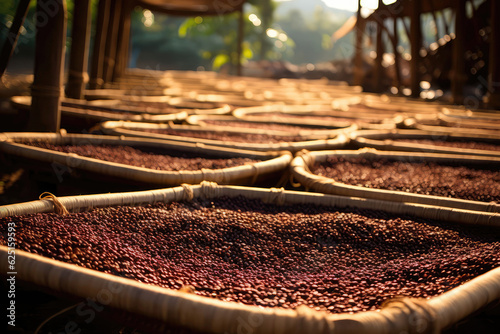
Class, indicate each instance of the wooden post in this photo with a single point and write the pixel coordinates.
(377, 70)
(358, 51)
(13, 35)
(80, 40)
(111, 41)
(50, 44)
(239, 50)
(415, 45)
(123, 42)
(493, 66)
(96, 69)
(458, 62)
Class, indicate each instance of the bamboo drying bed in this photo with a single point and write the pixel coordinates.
(304, 128)
(334, 138)
(448, 125)
(81, 110)
(388, 141)
(272, 162)
(364, 120)
(304, 160)
(214, 316)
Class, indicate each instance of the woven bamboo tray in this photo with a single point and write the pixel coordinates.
(389, 141)
(288, 114)
(301, 173)
(151, 105)
(311, 141)
(401, 104)
(404, 315)
(272, 162)
(443, 124)
(71, 113)
(303, 128)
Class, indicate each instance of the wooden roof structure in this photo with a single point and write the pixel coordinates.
(401, 9)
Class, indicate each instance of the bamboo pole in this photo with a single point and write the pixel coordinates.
(241, 32)
(50, 47)
(416, 44)
(494, 68)
(458, 62)
(358, 52)
(122, 46)
(111, 41)
(377, 75)
(96, 69)
(13, 35)
(397, 56)
(80, 40)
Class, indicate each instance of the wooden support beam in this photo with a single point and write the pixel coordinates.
(415, 45)
(458, 76)
(50, 47)
(13, 35)
(358, 72)
(493, 65)
(78, 59)
(96, 69)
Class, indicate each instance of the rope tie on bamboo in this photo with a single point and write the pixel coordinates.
(421, 317)
(216, 176)
(59, 208)
(188, 194)
(277, 195)
(47, 91)
(209, 189)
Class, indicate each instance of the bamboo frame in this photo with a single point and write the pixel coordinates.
(364, 120)
(273, 162)
(110, 113)
(214, 316)
(388, 141)
(334, 138)
(300, 165)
